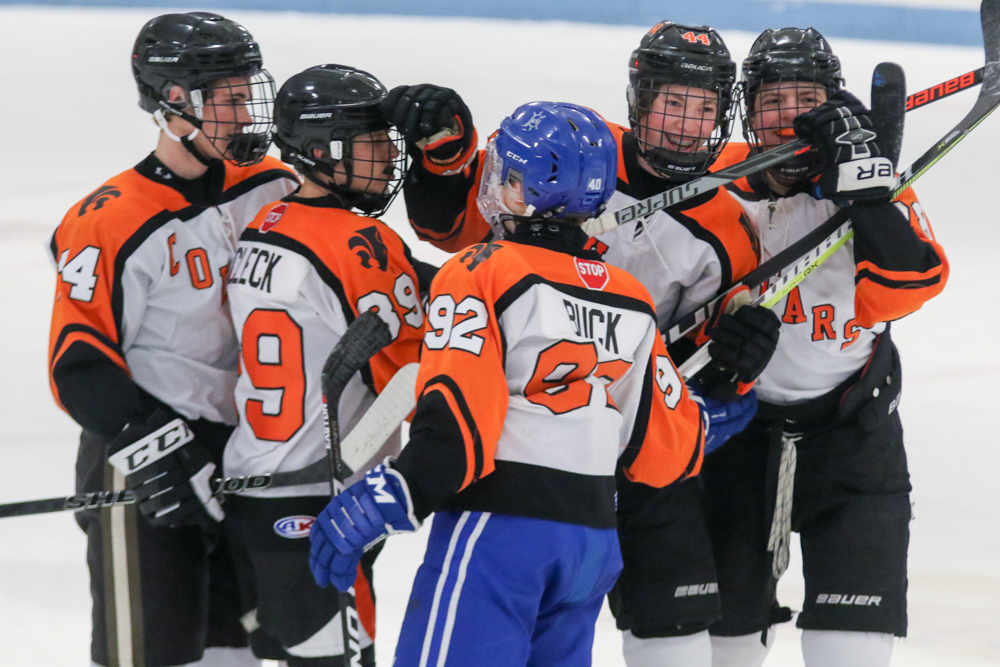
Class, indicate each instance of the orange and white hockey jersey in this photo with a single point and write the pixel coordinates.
(542, 373)
(304, 269)
(831, 321)
(140, 311)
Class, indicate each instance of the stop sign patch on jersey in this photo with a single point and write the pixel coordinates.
(594, 274)
(273, 217)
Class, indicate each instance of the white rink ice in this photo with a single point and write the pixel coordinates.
(70, 121)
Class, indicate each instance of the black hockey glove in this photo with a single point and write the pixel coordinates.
(431, 119)
(741, 344)
(169, 473)
(843, 133)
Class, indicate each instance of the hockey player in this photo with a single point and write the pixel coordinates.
(143, 352)
(542, 365)
(680, 113)
(828, 420)
(304, 269)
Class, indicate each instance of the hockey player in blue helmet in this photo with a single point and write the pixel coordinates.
(542, 378)
(547, 162)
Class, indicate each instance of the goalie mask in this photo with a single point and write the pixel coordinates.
(327, 122)
(680, 99)
(207, 70)
(548, 161)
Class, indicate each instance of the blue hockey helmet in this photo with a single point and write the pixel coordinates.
(548, 160)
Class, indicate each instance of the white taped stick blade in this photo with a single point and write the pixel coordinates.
(394, 403)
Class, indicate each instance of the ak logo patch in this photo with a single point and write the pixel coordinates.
(294, 527)
(367, 244)
(594, 274)
(478, 254)
(98, 197)
(273, 217)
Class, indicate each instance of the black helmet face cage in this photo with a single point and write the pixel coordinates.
(374, 164)
(364, 164)
(680, 127)
(770, 106)
(234, 114)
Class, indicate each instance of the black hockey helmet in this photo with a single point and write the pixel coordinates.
(692, 56)
(792, 55)
(324, 108)
(196, 51)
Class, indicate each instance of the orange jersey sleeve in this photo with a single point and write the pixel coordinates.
(673, 435)
(900, 265)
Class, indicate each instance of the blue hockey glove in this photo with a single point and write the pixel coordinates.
(843, 133)
(725, 419)
(360, 516)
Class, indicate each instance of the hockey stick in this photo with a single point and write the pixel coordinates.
(986, 103)
(946, 89)
(646, 207)
(394, 403)
(366, 336)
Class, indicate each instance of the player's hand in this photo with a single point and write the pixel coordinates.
(724, 419)
(843, 133)
(744, 341)
(169, 472)
(741, 339)
(431, 119)
(360, 516)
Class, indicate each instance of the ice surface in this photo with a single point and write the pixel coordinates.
(70, 121)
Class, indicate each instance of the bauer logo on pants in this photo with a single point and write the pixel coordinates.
(294, 527)
(594, 274)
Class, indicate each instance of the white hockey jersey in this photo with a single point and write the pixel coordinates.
(304, 269)
(831, 320)
(141, 281)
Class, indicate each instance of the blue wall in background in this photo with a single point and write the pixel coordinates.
(878, 22)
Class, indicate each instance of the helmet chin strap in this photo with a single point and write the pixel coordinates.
(196, 121)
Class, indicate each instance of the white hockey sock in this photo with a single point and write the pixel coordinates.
(837, 648)
(742, 651)
(218, 656)
(684, 651)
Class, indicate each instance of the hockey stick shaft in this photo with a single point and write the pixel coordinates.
(646, 207)
(946, 89)
(363, 339)
(394, 403)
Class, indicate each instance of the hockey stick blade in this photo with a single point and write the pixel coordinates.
(367, 335)
(889, 108)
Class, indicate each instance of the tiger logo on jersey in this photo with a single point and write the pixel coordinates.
(478, 254)
(370, 247)
(98, 197)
